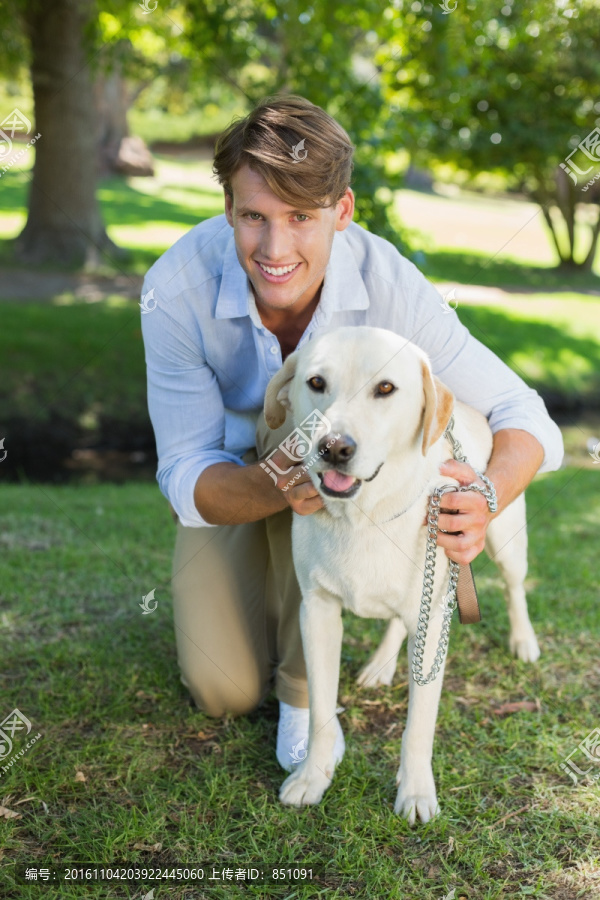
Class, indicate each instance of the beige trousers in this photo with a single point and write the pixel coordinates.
(236, 606)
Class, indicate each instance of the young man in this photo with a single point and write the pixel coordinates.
(234, 297)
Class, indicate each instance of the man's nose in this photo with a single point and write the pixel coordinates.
(340, 449)
(275, 245)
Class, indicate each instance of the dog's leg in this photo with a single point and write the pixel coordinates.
(321, 625)
(506, 544)
(382, 666)
(416, 792)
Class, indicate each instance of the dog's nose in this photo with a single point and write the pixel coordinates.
(337, 451)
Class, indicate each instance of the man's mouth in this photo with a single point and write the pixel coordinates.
(277, 274)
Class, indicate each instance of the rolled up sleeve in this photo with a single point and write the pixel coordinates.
(186, 409)
(478, 377)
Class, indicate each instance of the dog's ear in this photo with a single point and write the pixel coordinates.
(439, 403)
(277, 393)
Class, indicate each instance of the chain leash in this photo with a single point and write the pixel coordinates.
(449, 601)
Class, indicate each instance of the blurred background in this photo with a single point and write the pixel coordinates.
(476, 125)
(477, 145)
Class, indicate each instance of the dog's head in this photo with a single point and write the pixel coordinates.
(359, 397)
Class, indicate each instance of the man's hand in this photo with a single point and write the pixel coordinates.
(516, 457)
(464, 514)
(296, 486)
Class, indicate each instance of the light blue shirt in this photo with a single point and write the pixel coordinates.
(209, 357)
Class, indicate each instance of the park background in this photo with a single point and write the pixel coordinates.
(462, 114)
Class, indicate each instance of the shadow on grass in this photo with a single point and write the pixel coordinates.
(122, 204)
(480, 268)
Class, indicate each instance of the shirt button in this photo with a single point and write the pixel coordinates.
(274, 349)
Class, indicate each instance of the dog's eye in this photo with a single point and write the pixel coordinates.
(317, 383)
(383, 388)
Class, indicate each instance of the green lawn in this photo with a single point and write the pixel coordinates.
(86, 361)
(126, 770)
(145, 216)
(499, 240)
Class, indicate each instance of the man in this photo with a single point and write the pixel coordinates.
(234, 297)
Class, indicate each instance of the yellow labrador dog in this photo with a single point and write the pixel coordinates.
(384, 415)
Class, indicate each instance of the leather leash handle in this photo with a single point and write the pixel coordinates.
(466, 597)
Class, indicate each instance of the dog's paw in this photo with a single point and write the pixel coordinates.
(416, 796)
(375, 674)
(304, 787)
(525, 646)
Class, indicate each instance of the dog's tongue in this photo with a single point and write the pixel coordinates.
(337, 482)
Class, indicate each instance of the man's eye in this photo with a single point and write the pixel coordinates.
(302, 217)
(251, 216)
(384, 388)
(316, 383)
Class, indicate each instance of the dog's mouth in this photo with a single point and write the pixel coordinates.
(338, 484)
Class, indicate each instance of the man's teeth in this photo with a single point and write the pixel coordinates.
(281, 270)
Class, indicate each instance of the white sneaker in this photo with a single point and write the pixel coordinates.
(292, 736)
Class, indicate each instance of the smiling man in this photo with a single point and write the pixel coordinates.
(235, 296)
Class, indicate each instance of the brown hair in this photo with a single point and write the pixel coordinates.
(264, 140)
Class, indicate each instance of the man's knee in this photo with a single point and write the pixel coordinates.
(219, 700)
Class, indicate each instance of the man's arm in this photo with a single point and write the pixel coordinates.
(474, 373)
(516, 457)
(228, 494)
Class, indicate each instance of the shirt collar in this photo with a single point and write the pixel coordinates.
(343, 286)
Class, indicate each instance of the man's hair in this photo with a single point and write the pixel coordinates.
(316, 175)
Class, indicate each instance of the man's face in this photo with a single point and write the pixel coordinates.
(284, 251)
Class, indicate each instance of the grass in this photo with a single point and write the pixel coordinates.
(144, 216)
(86, 360)
(557, 352)
(501, 241)
(127, 770)
(469, 267)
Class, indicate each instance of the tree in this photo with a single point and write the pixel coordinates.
(510, 87)
(70, 46)
(321, 51)
(64, 221)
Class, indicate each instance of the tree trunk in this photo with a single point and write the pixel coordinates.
(565, 200)
(110, 101)
(117, 150)
(64, 222)
(552, 230)
(588, 262)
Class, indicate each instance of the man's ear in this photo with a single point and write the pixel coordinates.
(439, 403)
(277, 393)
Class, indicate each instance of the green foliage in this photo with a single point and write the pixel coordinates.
(321, 52)
(15, 48)
(500, 86)
(528, 73)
